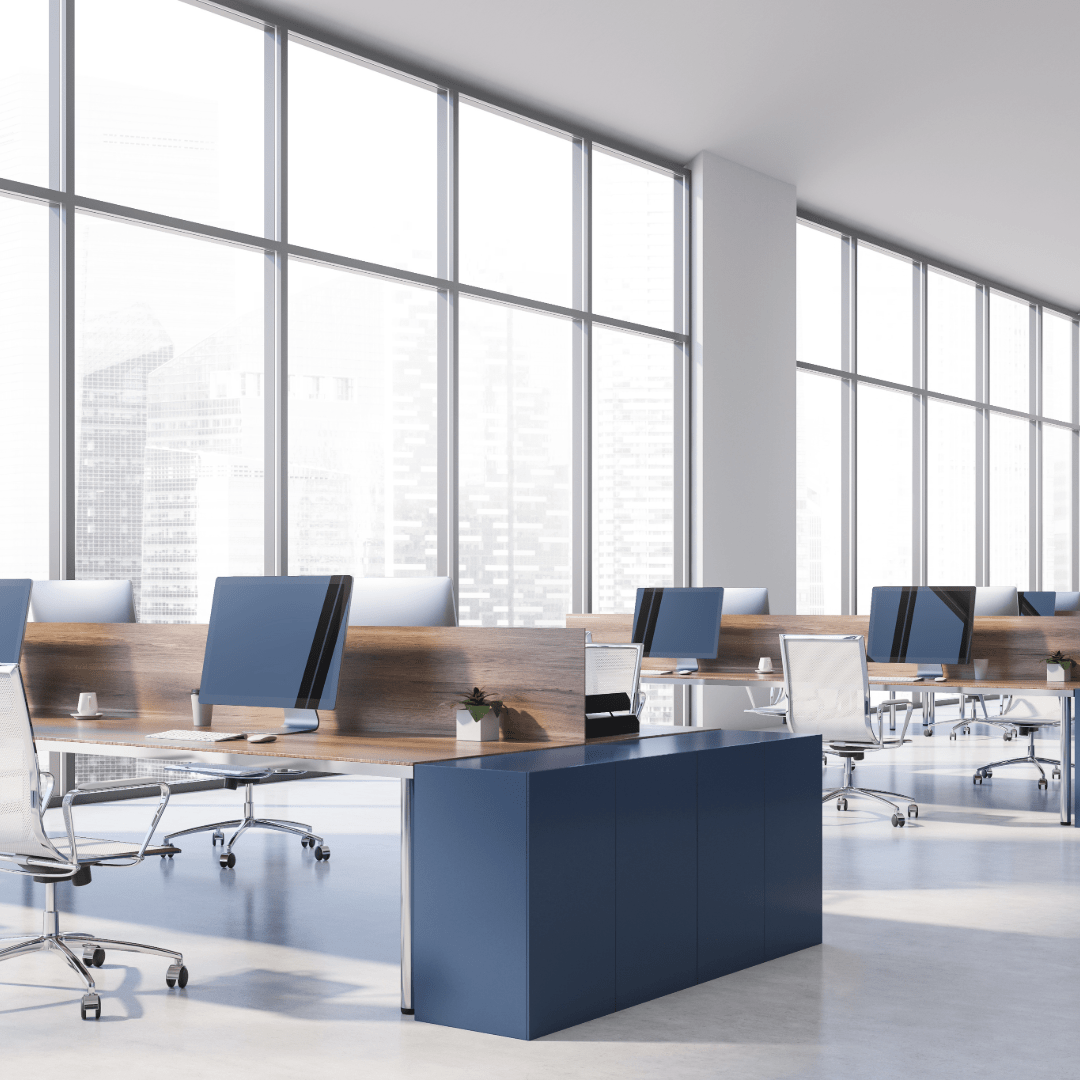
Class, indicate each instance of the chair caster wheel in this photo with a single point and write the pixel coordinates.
(841, 804)
(168, 854)
(898, 821)
(177, 975)
(227, 860)
(988, 773)
(929, 732)
(913, 810)
(93, 955)
(965, 731)
(976, 779)
(217, 837)
(824, 760)
(952, 736)
(1056, 774)
(322, 852)
(1042, 783)
(90, 1006)
(1006, 737)
(307, 841)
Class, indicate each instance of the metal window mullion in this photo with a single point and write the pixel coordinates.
(448, 339)
(62, 290)
(581, 598)
(1074, 483)
(919, 434)
(682, 434)
(1035, 493)
(275, 306)
(849, 428)
(982, 437)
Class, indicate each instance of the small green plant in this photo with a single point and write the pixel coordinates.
(1057, 658)
(478, 703)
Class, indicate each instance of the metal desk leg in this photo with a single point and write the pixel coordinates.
(927, 710)
(1066, 760)
(406, 896)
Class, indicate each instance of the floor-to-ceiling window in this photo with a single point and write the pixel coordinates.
(269, 306)
(938, 428)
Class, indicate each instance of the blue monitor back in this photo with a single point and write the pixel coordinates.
(679, 622)
(276, 642)
(1037, 603)
(14, 604)
(924, 624)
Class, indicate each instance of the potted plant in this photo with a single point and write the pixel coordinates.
(1058, 667)
(478, 717)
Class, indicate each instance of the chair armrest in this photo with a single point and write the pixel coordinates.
(116, 785)
(44, 797)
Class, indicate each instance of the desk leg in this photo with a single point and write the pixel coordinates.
(928, 710)
(62, 766)
(1066, 760)
(406, 896)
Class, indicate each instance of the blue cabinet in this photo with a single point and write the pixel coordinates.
(555, 886)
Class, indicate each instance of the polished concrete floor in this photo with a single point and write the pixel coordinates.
(952, 949)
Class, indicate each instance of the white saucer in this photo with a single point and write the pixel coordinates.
(87, 715)
(762, 671)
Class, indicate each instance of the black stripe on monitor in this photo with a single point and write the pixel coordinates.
(645, 627)
(905, 616)
(1026, 606)
(322, 645)
(961, 602)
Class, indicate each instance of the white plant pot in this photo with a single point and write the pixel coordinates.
(486, 729)
(1057, 673)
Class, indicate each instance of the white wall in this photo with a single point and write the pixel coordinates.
(742, 476)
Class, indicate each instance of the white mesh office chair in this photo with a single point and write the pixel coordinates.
(828, 695)
(83, 601)
(1027, 716)
(26, 849)
(1067, 601)
(613, 698)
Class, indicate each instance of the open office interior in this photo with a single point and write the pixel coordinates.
(506, 331)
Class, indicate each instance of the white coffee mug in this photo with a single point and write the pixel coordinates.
(88, 705)
(764, 663)
(981, 667)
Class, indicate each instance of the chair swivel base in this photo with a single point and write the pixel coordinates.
(848, 791)
(227, 859)
(985, 772)
(92, 954)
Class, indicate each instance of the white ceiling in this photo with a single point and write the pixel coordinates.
(946, 125)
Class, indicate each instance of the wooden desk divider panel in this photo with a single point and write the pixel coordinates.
(393, 679)
(1014, 645)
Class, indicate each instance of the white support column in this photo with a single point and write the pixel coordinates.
(742, 489)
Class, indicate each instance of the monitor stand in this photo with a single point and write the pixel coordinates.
(297, 720)
(685, 665)
(929, 671)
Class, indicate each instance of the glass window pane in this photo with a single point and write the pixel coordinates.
(633, 254)
(950, 335)
(818, 432)
(515, 206)
(818, 297)
(169, 101)
(24, 375)
(883, 533)
(514, 461)
(24, 93)
(379, 135)
(362, 425)
(884, 328)
(950, 494)
(1057, 369)
(1010, 322)
(633, 467)
(168, 414)
(1009, 453)
(1057, 456)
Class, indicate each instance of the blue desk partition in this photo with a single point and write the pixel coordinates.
(554, 886)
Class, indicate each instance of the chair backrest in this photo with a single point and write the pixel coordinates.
(1067, 601)
(746, 601)
(996, 600)
(427, 601)
(82, 601)
(826, 684)
(22, 834)
(613, 669)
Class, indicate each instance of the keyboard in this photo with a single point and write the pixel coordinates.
(192, 735)
(895, 678)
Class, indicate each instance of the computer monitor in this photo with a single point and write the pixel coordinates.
(83, 601)
(1037, 603)
(14, 603)
(928, 625)
(684, 623)
(426, 601)
(276, 642)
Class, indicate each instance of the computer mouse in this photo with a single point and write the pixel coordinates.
(261, 738)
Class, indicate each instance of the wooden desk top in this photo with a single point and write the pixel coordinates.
(321, 750)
